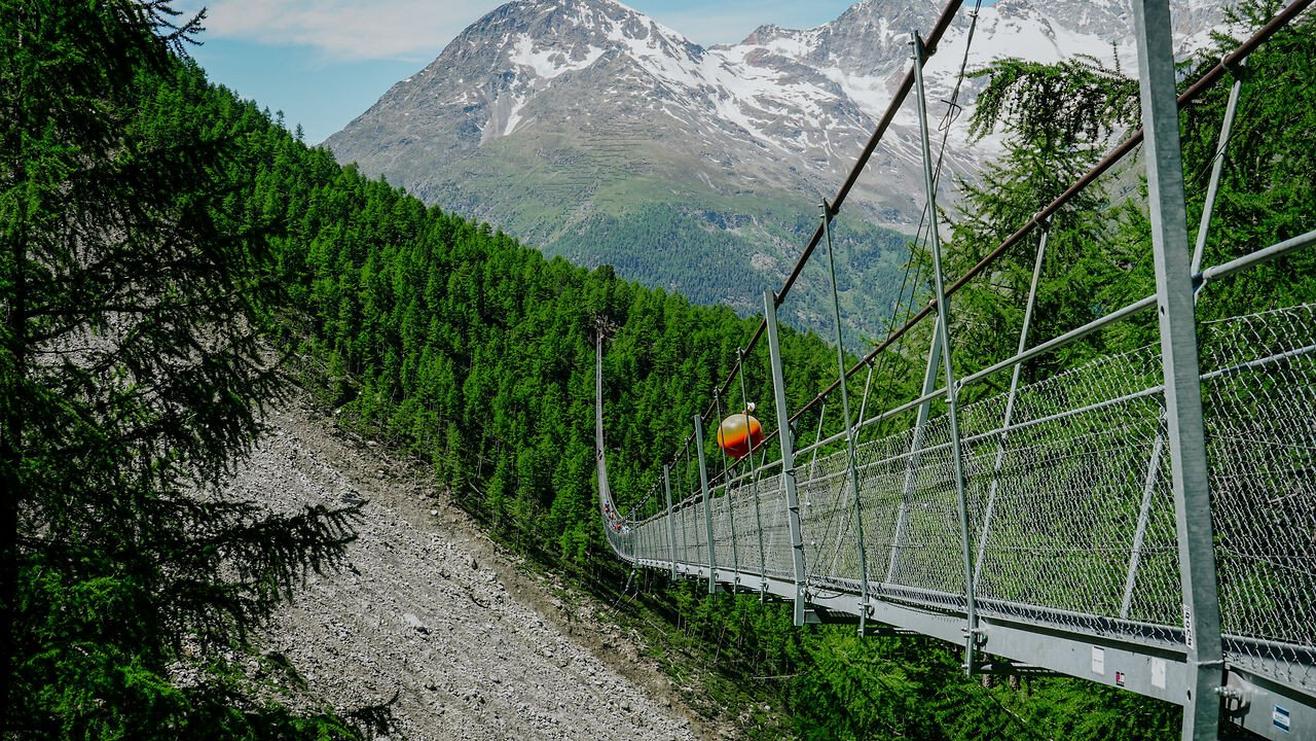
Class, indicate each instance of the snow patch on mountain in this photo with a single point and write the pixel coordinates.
(790, 107)
(549, 63)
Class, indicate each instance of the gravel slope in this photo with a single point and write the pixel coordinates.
(431, 611)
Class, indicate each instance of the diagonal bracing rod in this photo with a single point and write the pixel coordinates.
(952, 390)
(1199, 251)
(708, 512)
(911, 466)
(1009, 401)
(1213, 187)
(813, 457)
(852, 473)
(1144, 516)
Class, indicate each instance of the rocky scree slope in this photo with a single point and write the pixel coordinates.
(431, 611)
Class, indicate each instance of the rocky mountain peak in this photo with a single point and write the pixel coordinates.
(552, 117)
(580, 29)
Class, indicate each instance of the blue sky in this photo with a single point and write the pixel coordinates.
(323, 62)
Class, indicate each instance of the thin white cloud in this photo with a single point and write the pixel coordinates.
(417, 30)
(349, 29)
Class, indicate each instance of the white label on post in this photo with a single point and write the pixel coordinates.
(1098, 660)
(1158, 672)
(1280, 718)
(1188, 626)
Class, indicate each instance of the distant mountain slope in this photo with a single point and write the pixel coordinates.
(595, 132)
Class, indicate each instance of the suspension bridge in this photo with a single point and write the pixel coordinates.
(1145, 520)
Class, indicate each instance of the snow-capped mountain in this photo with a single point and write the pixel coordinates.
(591, 130)
(598, 73)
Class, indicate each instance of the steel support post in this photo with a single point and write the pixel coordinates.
(952, 391)
(684, 529)
(671, 524)
(787, 454)
(1009, 402)
(754, 480)
(852, 472)
(708, 509)
(911, 467)
(1213, 187)
(1183, 394)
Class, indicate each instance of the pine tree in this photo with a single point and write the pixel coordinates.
(135, 294)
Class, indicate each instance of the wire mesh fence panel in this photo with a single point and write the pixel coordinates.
(888, 470)
(824, 516)
(724, 536)
(927, 553)
(1068, 501)
(641, 533)
(1054, 499)
(779, 559)
(1259, 396)
(692, 533)
(658, 543)
(747, 525)
(696, 538)
(839, 552)
(1070, 505)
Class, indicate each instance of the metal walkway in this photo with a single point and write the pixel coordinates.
(1144, 520)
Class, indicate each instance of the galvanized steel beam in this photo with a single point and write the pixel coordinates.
(787, 457)
(1183, 397)
(708, 511)
(952, 391)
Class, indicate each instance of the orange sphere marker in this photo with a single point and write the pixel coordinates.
(739, 434)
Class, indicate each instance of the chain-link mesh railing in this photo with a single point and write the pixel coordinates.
(1259, 397)
(1067, 483)
(1071, 513)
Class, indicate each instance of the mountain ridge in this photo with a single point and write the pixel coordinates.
(567, 122)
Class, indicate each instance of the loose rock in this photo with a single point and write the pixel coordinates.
(367, 634)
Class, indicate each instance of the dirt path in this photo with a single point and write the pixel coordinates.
(432, 612)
